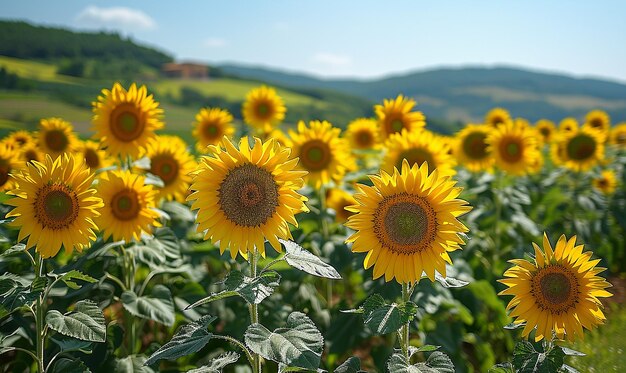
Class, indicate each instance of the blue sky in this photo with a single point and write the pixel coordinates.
(362, 38)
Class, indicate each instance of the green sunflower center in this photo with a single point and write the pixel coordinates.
(125, 205)
(396, 125)
(511, 150)
(474, 145)
(315, 155)
(56, 206)
(581, 147)
(364, 139)
(556, 287)
(125, 124)
(165, 166)
(248, 195)
(417, 156)
(56, 140)
(211, 131)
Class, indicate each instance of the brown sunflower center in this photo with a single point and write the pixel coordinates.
(212, 131)
(248, 195)
(545, 132)
(315, 155)
(581, 147)
(20, 140)
(164, 166)
(125, 205)
(555, 288)
(56, 206)
(596, 123)
(495, 120)
(511, 149)
(474, 145)
(405, 223)
(364, 138)
(92, 159)
(264, 110)
(126, 125)
(31, 155)
(621, 138)
(56, 140)
(5, 169)
(395, 125)
(417, 156)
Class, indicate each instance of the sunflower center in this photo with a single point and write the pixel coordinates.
(416, 156)
(511, 150)
(603, 183)
(315, 155)
(56, 206)
(396, 125)
(596, 123)
(56, 140)
(125, 124)
(474, 145)
(211, 131)
(621, 138)
(497, 120)
(91, 159)
(125, 205)
(31, 155)
(405, 223)
(5, 169)
(165, 167)
(364, 138)
(544, 132)
(248, 195)
(581, 147)
(263, 110)
(20, 140)
(555, 288)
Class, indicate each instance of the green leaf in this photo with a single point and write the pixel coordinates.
(69, 277)
(13, 250)
(303, 260)
(513, 326)
(71, 344)
(450, 282)
(188, 339)
(383, 318)
(527, 360)
(502, 368)
(132, 364)
(65, 365)
(570, 352)
(158, 306)
(299, 344)
(217, 364)
(437, 362)
(39, 284)
(352, 365)
(86, 322)
(160, 250)
(424, 348)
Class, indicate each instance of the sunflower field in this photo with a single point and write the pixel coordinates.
(379, 246)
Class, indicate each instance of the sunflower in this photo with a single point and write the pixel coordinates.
(471, 148)
(338, 199)
(211, 125)
(568, 124)
(246, 196)
(31, 152)
(263, 108)
(19, 139)
(280, 137)
(598, 120)
(128, 206)
(125, 121)
(396, 115)
(618, 135)
(407, 223)
(322, 152)
(56, 137)
(170, 160)
(55, 205)
(546, 130)
(606, 183)
(417, 147)
(557, 292)
(363, 134)
(582, 148)
(514, 148)
(94, 156)
(9, 162)
(497, 116)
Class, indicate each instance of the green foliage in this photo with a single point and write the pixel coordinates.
(86, 322)
(303, 260)
(158, 306)
(437, 362)
(217, 364)
(527, 360)
(383, 318)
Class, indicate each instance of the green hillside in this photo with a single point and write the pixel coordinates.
(465, 94)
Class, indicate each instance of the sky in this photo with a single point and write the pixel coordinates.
(364, 39)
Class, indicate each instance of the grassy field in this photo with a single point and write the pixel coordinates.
(35, 70)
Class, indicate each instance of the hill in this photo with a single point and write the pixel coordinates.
(465, 94)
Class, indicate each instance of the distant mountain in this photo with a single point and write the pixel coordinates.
(465, 94)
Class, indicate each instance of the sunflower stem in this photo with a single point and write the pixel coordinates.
(325, 236)
(497, 201)
(39, 316)
(404, 331)
(254, 310)
(129, 320)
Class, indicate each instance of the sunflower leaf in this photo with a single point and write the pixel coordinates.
(502, 368)
(449, 282)
(65, 365)
(132, 364)
(15, 292)
(437, 362)
(527, 360)
(68, 278)
(188, 339)
(158, 306)
(299, 344)
(217, 364)
(86, 322)
(15, 249)
(383, 318)
(352, 365)
(305, 261)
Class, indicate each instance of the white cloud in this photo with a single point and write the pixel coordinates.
(215, 43)
(331, 59)
(115, 18)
